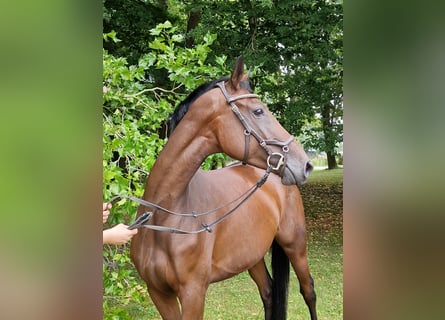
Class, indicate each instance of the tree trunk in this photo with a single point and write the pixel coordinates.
(192, 23)
(327, 131)
(332, 162)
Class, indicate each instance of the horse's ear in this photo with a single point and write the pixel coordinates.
(237, 73)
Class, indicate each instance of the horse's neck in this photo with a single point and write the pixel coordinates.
(174, 168)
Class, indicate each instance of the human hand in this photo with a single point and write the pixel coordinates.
(119, 234)
(106, 211)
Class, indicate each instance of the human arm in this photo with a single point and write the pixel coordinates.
(118, 234)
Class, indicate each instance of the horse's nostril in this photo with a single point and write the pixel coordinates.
(308, 169)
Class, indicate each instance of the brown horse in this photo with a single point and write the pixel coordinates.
(178, 266)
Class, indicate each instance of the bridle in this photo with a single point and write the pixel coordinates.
(141, 221)
(248, 131)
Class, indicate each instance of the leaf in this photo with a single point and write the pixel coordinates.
(177, 38)
(221, 60)
(158, 44)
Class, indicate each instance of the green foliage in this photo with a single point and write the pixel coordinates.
(215, 161)
(297, 48)
(120, 283)
(135, 109)
(133, 20)
(134, 114)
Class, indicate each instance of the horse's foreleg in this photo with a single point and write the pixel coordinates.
(192, 298)
(167, 304)
(262, 278)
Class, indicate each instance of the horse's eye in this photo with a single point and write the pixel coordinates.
(258, 112)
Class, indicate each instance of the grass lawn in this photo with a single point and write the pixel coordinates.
(238, 298)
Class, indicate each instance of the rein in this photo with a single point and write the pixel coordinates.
(145, 217)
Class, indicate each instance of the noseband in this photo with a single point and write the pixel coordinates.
(248, 131)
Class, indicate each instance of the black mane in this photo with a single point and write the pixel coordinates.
(185, 105)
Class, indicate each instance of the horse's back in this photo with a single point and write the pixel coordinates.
(229, 182)
(233, 178)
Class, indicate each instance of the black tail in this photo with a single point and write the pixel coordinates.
(280, 284)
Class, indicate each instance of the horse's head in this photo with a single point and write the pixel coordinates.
(226, 116)
(246, 130)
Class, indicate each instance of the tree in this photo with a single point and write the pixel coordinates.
(320, 73)
(294, 47)
(297, 50)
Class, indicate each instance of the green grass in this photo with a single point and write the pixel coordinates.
(328, 177)
(238, 298)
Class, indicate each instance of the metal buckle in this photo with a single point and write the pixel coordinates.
(279, 163)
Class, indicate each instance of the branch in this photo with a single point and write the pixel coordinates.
(153, 90)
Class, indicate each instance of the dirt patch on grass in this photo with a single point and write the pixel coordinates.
(323, 205)
(326, 222)
(321, 198)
